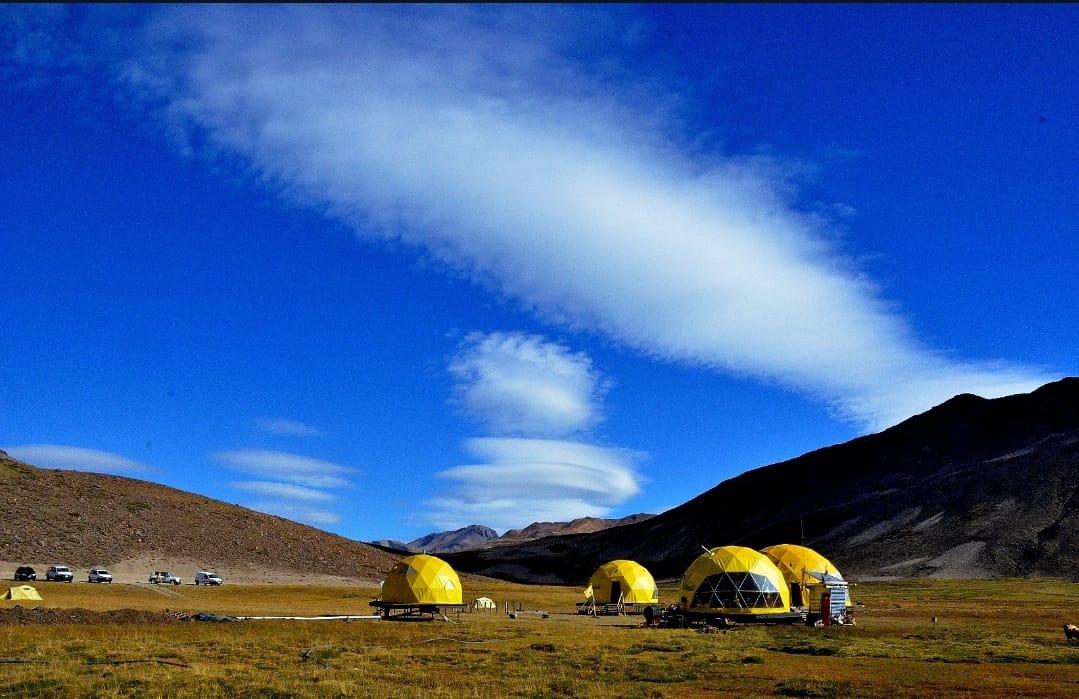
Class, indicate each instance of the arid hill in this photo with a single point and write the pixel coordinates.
(971, 488)
(87, 519)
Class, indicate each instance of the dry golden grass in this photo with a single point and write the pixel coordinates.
(991, 639)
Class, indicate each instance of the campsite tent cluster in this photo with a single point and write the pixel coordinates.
(778, 583)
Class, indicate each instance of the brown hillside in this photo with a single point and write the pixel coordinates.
(87, 519)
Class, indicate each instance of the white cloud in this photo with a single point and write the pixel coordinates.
(76, 458)
(291, 486)
(287, 468)
(522, 384)
(482, 136)
(283, 426)
(520, 481)
(296, 512)
(283, 491)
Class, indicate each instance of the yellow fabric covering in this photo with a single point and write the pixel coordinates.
(422, 579)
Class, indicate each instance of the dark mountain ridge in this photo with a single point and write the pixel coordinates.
(971, 488)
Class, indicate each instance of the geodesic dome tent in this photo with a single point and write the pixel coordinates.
(421, 580)
(626, 582)
(808, 574)
(734, 581)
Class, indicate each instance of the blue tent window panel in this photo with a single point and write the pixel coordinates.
(737, 591)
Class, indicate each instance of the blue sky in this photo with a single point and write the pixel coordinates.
(390, 270)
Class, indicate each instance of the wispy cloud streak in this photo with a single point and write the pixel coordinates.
(520, 481)
(509, 158)
(289, 468)
(487, 138)
(284, 426)
(61, 456)
(289, 485)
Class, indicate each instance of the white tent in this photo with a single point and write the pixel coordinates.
(484, 603)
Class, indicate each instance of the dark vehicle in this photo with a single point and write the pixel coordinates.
(25, 573)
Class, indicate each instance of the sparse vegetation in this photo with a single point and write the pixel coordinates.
(991, 639)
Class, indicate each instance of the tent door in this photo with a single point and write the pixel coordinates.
(616, 590)
(796, 595)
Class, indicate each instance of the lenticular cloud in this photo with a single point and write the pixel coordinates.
(485, 137)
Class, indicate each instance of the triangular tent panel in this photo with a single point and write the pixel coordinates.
(621, 581)
(22, 592)
(422, 579)
(735, 580)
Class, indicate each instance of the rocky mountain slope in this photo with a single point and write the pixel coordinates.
(971, 488)
(470, 537)
(87, 519)
(581, 525)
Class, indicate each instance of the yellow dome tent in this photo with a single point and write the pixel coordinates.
(420, 583)
(623, 581)
(736, 582)
(808, 575)
(22, 592)
(422, 579)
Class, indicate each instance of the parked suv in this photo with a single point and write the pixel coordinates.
(99, 575)
(25, 573)
(163, 577)
(205, 577)
(59, 574)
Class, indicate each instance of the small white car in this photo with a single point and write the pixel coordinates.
(161, 577)
(205, 577)
(99, 575)
(59, 574)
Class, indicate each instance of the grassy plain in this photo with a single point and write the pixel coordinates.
(991, 639)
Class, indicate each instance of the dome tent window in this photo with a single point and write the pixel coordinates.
(735, 583)
(737, 591)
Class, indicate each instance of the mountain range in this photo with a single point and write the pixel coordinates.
(974, 487)
(478, 536)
